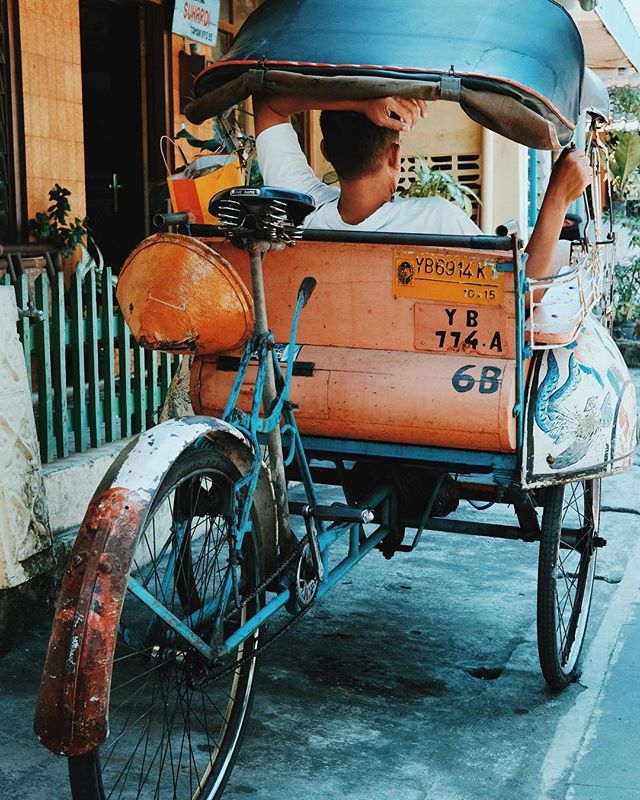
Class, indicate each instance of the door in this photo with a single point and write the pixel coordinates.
(120, 100)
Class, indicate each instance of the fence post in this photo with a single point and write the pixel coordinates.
(153, 388)
(45, 383)
(24, 323)
(139, 398)
(165, 373)
(77, 356)
(92, 359)
(124, 382)
(108, 336)
(59, 366)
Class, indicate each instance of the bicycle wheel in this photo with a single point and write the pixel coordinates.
(566, 571)
(172, 732)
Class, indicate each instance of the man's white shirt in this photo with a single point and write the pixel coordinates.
(283, 164)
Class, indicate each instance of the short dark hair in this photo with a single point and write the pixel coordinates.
(353, 144)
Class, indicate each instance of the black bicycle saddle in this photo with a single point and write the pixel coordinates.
(266, 210)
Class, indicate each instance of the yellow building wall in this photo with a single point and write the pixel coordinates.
(447, 129)
(509, 196)
(52, 90)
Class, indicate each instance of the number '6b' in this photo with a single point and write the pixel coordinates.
(488, 382)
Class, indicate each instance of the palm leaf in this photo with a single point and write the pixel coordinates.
(626, 159)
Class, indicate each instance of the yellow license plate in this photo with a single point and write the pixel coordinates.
(447, 277)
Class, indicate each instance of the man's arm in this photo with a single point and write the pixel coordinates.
(570, 177)
(279, 154)
(395, 113)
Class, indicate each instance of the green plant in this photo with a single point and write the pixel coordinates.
(429, 182)
(627, 290)
(632, 225)
(625, 100)
(625, 161)
(53, 226)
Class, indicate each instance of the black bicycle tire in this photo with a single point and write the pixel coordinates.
(556, 675)
(85, 773)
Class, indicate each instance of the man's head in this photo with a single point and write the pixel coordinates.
(357, 148)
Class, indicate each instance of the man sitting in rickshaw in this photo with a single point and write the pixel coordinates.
(361, 140)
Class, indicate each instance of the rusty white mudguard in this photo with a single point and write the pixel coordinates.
(72, 710)
(581, 417)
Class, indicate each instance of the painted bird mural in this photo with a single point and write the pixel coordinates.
(565, 423)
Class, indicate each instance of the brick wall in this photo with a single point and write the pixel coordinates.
(52, 81)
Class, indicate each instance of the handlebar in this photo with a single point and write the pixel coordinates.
(177, 218)
(510, 228)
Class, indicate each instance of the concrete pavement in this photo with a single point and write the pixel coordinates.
(606, 763)
(418, 679)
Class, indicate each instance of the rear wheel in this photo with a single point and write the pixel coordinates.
(566, 572)
(173, 731)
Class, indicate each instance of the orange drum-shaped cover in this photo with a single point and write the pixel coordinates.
(177, 294)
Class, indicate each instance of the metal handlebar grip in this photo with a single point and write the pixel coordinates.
(510, 228)
(177, 218)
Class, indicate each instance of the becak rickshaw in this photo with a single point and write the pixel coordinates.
(413, 371)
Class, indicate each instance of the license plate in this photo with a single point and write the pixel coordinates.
(446, 328)
(447, 277)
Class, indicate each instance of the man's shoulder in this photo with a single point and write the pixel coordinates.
(423, 203)
(437, 214)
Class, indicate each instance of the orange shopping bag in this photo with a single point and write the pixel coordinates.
(192, 188)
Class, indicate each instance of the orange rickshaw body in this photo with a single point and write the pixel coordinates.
(398, 344)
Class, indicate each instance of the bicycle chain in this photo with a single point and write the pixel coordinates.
(296, 553)
(207, 680)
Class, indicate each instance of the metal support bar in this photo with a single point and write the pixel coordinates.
(335, 513)
(446, 459)
(520, 282)
(276, 460)
(404, 548)
(479, 529)
(138, 590)
(348, 563)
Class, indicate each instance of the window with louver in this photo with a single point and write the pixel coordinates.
(464, 168)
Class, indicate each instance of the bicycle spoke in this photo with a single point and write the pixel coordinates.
(168, 728)
(567, 568)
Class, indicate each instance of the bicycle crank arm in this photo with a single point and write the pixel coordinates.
(308, 512)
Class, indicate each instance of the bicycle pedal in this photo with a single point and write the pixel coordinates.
(314, 545)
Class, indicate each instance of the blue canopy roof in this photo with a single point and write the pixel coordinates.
(516, 67)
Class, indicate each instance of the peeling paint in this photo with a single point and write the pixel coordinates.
(71, 715)
(160, 446)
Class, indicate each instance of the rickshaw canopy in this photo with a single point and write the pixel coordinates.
(516, 68)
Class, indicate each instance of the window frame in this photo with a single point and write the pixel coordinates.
(14, 119)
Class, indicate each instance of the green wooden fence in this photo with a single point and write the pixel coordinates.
(90, 381)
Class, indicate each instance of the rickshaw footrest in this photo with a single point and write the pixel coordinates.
(334, 513)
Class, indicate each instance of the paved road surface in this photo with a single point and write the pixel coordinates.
(379, 694)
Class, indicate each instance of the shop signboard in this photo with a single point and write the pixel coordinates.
(197, 20)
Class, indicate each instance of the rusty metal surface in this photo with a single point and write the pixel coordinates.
(73, 701)
(71, 715)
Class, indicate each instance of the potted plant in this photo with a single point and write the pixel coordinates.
(429, 182)
(627, 298)
(70, 236)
